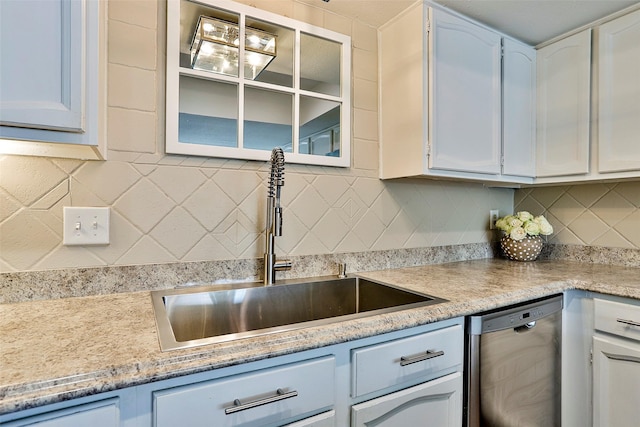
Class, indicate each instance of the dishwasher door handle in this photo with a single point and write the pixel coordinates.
(429, 354)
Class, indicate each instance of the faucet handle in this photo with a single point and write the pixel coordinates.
(342, 270)
(277, 225)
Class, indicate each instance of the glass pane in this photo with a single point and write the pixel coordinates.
(269, 53)
(319, 65)
(319, 127)
(208, 112)
(268, 118)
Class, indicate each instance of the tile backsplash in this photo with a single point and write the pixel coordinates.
(168, 208)
(598, 214)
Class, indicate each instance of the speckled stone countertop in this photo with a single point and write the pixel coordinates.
(55, 350)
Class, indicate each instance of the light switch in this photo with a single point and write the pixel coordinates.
(85, 226)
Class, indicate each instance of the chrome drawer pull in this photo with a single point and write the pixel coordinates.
(628, 322)
(239, 406)
(429, 354)
(622, 357)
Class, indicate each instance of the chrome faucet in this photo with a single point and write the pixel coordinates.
(274, 219)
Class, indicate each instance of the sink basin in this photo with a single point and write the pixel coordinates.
(202, 315)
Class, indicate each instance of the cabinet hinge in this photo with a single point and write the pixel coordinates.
(591, 356)
(428, 150)
(501, 160)
(427, 26)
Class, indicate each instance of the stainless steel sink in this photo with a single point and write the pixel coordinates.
(202, 315)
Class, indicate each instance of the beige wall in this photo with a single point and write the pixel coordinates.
(174, 208)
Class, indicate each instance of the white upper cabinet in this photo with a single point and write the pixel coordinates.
(518, 109)
(441, 100)
(619, 94)
(241, 81)
(465, 75)
(577, 79)
(49, 75)
(564, 83)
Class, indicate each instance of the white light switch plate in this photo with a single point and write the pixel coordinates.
(85, 226)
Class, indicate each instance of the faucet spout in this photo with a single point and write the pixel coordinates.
(273, 226)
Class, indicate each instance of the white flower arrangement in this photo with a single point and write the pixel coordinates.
(523, 224)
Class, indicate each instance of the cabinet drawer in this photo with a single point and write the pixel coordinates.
(418, 358)
(263, 398)
(105, 413)
(617, 318)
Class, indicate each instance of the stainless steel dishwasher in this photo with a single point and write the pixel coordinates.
(512, 365)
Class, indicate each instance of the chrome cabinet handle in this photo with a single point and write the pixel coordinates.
(429, 354)
(628, 322)
(239, 406)
(622, 357)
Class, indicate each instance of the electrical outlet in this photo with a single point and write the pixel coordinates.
(493, 217)
(85, 226)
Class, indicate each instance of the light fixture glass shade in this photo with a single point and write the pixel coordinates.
(215, 48)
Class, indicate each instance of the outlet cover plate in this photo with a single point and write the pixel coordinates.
(85, 226)
(493, 217)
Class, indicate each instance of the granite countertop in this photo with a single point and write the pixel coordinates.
(55, 350)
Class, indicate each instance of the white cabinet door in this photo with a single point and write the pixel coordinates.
(563, 74)
(616, 382)
(435, 403)
(518, 109)
(619, 94)
(51, 92)
(466, 98)
(41, 82)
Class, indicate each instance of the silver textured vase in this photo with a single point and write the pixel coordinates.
(526, 249)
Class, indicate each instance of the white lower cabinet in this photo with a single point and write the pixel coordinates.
(418, 370)
(409, 382)
(616, 364)
(616, 382)
(434, 403)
